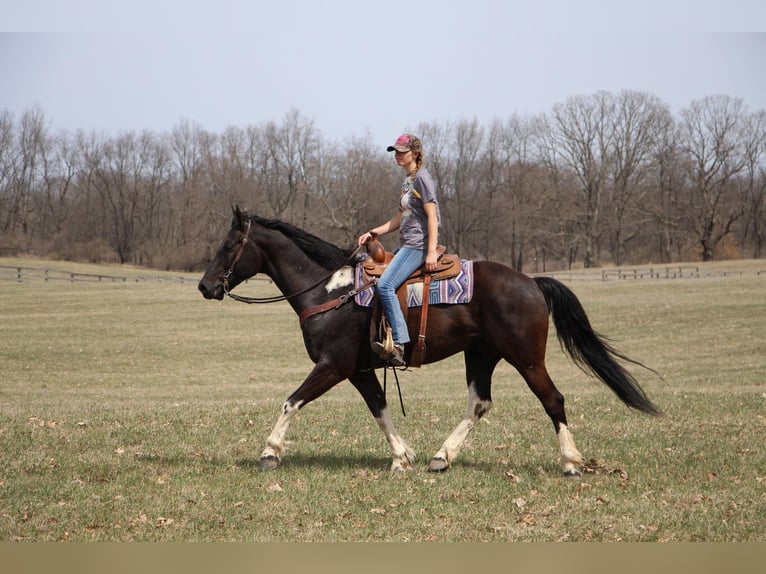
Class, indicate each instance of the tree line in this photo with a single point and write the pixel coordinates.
(607, 178)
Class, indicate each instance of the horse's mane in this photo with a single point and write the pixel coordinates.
(325, 254)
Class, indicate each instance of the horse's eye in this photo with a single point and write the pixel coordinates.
(228, 245)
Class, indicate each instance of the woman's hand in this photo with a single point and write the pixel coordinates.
(365, 237)
(430, 262)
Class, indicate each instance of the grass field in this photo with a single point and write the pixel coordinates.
(137, 411)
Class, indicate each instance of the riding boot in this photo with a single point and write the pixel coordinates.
(394, 357)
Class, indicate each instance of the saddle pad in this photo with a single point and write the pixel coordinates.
(454, 290)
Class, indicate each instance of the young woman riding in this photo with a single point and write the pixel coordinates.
(418, 222)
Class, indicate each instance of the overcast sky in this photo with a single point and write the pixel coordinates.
(359, 68)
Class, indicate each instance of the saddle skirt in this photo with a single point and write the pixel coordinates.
(451, 283)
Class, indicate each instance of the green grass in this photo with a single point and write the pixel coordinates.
(137, 411)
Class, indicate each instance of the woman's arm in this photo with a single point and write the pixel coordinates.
(433, 235)
(389, 226)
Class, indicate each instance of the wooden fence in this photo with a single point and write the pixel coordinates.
(658, 272)
(22, 274)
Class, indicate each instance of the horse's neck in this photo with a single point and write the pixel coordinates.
(287, 265)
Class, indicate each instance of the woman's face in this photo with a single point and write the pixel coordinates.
(404, 158)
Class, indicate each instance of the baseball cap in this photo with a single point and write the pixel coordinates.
(404, 143)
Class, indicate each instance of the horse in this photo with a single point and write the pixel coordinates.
(506, 318)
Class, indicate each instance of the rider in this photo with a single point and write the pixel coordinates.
(418, 222)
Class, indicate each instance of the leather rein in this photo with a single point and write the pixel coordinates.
(321, 308)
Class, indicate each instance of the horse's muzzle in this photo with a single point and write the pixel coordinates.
(211, 292)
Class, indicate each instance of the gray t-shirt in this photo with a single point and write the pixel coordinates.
(413, 231)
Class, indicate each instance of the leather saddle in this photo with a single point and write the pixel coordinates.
(447, 266)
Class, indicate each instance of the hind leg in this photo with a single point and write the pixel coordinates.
(542, 386)
(479, 368)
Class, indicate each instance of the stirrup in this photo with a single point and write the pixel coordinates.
(392, 354)
(385, 349)
(394, 357)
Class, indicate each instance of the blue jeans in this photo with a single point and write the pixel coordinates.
(405, 261)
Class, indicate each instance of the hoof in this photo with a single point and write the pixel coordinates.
(438, 464)
(269, 462)
(572, 473)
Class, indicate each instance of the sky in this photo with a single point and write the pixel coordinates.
(361, 69)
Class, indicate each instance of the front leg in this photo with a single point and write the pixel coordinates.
(403, 457)
(321, 379)
(275, 444)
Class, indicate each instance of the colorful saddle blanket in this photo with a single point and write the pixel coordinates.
(453, 290)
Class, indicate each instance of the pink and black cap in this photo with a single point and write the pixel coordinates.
(405, 143)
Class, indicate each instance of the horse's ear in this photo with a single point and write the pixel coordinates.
(238, 216)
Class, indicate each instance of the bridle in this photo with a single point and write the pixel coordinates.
(230, 270)
(278, 298)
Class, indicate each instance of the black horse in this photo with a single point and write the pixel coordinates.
(507, 318)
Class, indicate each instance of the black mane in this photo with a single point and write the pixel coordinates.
(325, 254)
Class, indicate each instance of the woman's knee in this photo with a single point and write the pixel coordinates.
(385, 288)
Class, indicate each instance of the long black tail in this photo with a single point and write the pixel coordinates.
(590, 350)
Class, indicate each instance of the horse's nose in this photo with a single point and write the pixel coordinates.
(214, 291)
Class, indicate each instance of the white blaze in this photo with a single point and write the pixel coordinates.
(343, 277)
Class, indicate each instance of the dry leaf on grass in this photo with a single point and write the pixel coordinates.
(512, 477)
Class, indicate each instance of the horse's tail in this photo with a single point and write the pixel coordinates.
(589, 350)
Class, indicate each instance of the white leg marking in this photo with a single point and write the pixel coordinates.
(343, 277)
(403, 455)
(570, 456)
(475, 410)
(275, 444)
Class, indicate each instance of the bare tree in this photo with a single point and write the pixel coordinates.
(497, 166)
(638, 124)
(291, 148)
(116, 170)
(188, 143)
(227, 164)
(198, 208)
(437, 157)
(663, 204)
(61, 166)
(357, 189)
(453, 156)
(581, 139)
(9, 167)
(22, 164)
(754, 185)
(512, 184)
(153, 172)
(710, 142)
